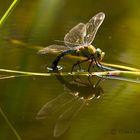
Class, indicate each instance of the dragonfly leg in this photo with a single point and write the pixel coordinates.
(78, 63)
(79, 66)
(96, 62)
(100, 65)
(92, 59)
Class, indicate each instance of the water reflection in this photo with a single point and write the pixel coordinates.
(77, 93)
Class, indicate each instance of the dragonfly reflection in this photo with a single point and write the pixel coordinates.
(77, 95)
(78, 42)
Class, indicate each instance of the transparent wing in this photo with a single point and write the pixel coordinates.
(92, 27)
(65, 118)
(52, 49)
(84, 34)
(75, 36)
(51, 107)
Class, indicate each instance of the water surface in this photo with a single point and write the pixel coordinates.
(115, 115)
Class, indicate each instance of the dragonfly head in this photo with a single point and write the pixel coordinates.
(99, 54)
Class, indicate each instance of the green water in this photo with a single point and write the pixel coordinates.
(113, 116)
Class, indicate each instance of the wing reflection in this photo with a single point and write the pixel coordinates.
(77, 94)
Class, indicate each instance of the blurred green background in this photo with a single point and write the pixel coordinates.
(115, 116)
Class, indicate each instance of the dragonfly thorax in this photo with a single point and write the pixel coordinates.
(88, 51)
(85, 51)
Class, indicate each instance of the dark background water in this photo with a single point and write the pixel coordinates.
(115, 115)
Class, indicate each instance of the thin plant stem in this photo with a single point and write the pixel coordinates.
(9, 124)
(103, 73)
(12, 76)
(120, 67)
(2, 20)
(8, 12)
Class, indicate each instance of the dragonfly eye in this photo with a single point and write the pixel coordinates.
(99, 54)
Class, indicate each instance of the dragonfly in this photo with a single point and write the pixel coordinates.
(77, 42)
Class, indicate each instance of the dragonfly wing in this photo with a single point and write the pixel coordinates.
(51, 107)
(92, 27)
(52, 49)
(65, 118)
(75, 36)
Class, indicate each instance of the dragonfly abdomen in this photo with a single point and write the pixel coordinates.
(57, 59)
